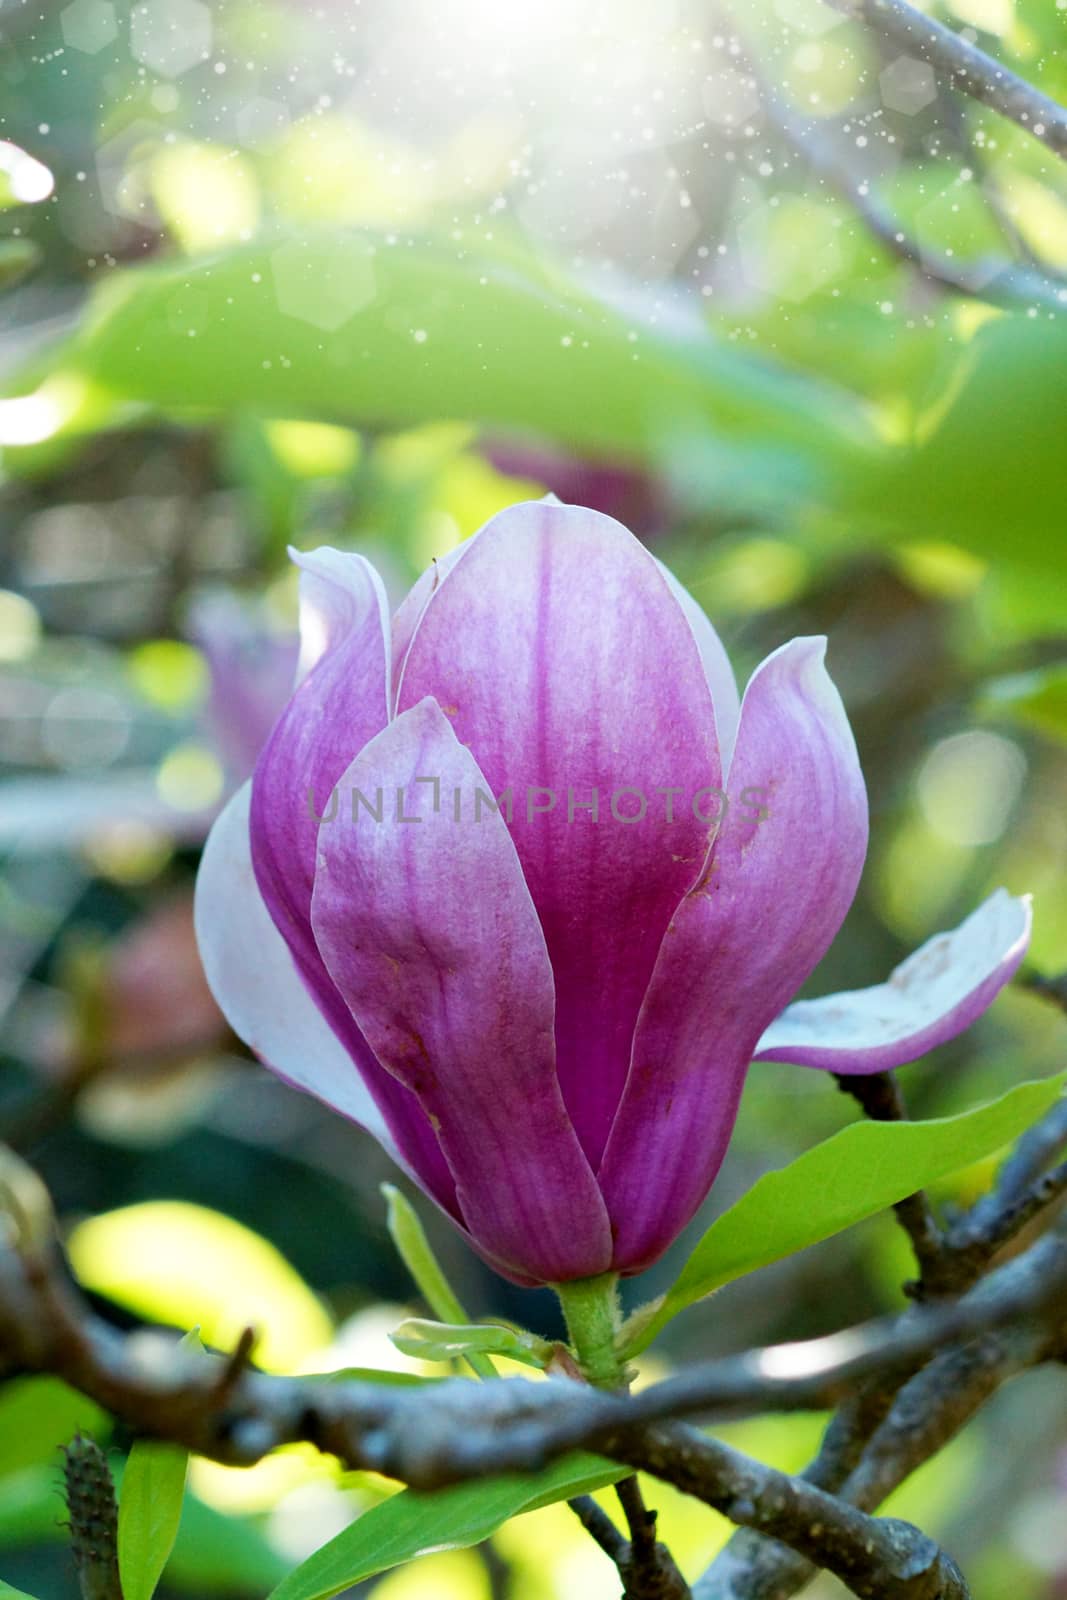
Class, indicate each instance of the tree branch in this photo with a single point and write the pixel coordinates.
(1053, 989)
(872, 1555)
(600, 1528)
(909, 1382)
(967, 67)
(229, 1411)
(221, 1408)
(1000, 282)
(897, 1419)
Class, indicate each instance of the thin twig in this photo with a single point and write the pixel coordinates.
(648, 1569)
(967, 68)
(879, 1095)
(599, 1526)
(1028, 1161)
(1053, 989)
(998, 281)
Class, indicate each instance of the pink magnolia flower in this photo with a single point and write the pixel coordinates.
(546, 1011)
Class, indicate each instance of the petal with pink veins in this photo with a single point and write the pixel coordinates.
(561, 656)
(717, 668)
(428, 931)
(742, 942)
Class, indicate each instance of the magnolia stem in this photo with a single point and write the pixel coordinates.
(591, 1310)
(594, 1316)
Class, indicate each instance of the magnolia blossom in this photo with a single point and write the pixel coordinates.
(545, 1008)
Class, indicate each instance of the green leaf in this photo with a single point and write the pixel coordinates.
(151, 1498)
(8, 1593)
(392, 1380)
(18, 257)
(150, 1509)
(443, 1341)
(35, 1413)
(221, 1553)
(861, 1170)
(346, 326)
(414, 1250)
(962, 478)
(411, 1524)
(1035, 699)
(215, 1553)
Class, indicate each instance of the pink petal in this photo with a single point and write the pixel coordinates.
(252, 976)
(717, 668)
(741, 943)
(931, 997)
(561, 657)
(340, 703)
(428, 930)
(409, 612)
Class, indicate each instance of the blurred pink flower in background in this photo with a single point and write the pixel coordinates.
(633, 497)
(251, 662)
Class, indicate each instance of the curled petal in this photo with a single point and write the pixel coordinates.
(562, 658)
(341, 702)
(782, 874)
(931, 997)
(428, 931)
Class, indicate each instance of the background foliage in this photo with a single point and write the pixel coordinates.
(364, 275)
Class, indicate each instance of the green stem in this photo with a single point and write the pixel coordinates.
(591, 1309)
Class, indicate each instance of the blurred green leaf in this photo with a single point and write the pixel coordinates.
(214, 1553)
(861, 1170)
(37, 1415)
(13, 1594)
(442, 1341)
(32, 1507)
(18, 257)
(150, 1509)
(1035, 699)
(411, 1524)
(222, 1554)
(182, 1263)
(344, 325)
(986, 466)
